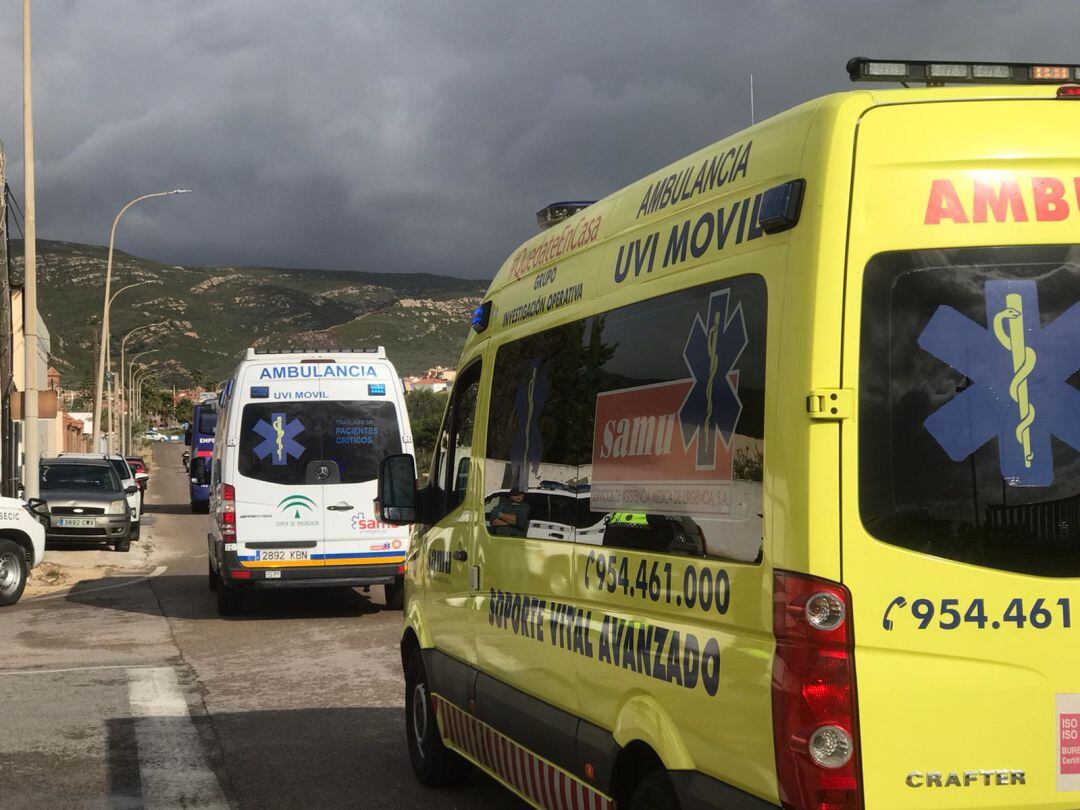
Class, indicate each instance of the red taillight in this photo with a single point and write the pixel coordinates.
(240, 574)
(815, 723)
(1069, 91)
(227, 514)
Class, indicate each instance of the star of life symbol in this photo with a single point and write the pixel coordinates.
(278, 438)
(1018, 370)
(713, 405)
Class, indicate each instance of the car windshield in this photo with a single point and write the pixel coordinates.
(96, 477)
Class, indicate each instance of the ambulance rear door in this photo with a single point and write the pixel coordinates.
(961, 456)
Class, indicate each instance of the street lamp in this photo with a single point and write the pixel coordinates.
(125, 436)
(99, 388)
(147, 374)
(120, 396)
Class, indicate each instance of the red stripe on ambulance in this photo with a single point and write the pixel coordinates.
(542, 783)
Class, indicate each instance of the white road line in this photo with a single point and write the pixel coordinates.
(36, 671)
(173, 770)
(157, 572)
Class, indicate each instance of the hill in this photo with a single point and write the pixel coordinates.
(207, 316)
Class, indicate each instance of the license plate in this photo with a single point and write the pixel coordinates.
(282, 554)
(273, 575)
(77, 523)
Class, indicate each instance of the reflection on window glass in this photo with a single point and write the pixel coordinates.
(640, 428)
(969, 442)
(278, 440)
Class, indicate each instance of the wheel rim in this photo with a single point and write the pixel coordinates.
(10, 573)
(420, 715)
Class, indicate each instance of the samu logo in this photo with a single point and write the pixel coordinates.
(1018, 370)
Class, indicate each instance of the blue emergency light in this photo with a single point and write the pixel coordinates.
(260, 392)
(480, 317)
(376, 389)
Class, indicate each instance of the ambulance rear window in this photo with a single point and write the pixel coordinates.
(969, 408)
(279, 439)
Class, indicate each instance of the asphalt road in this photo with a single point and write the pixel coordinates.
(130, 691)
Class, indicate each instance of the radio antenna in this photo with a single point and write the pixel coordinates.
(751, 99)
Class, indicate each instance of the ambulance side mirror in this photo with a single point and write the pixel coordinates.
(397, 489)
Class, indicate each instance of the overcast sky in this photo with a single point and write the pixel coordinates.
(423, 135)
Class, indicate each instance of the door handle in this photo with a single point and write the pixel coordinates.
(339, 507)
(461, 555)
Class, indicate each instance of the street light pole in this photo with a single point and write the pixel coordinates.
(99, 388)
(31, 451)
(121, 396)
(129, 399)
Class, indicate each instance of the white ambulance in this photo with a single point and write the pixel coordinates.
(300, 438)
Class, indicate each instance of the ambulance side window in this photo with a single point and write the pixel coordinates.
(639, 428)
(450, 467)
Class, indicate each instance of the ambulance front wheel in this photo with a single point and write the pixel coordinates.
(654, 792)
(394, 595)
(435, 765)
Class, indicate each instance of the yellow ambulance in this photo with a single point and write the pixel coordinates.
(755, 488)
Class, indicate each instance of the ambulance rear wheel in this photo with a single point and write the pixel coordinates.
(230, 600)
(654, 792)
(394, 595)
(435, 765)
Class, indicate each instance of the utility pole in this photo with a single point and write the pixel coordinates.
(30, 394)
(7, 455)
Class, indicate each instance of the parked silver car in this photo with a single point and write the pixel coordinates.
(84, 500)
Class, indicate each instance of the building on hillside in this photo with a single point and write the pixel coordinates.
(440, 373)
(433, 384)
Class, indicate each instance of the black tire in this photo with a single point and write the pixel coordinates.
(230, 599)
(122, 545)
(214, 581)
(654, 792)
(14, 571)
(434, 764)
(394, 595)
(136, 531)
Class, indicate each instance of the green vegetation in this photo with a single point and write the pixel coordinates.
(425, 416)
(212, 314)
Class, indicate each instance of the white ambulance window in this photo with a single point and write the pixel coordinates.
(969, 436)
(639, 428)
(278, 440)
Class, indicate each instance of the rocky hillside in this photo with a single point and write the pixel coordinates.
(206, 316)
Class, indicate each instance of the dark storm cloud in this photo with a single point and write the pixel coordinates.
(399, 136)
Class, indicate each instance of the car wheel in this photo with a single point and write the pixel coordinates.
(214, 581)
(13, 572)
(394, 595)
(435, 765)
(136, 531)
(230, 599)
(122, 545)
(654, 792)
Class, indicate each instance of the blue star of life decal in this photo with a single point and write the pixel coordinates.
(1018, 369)
(713, 405)
(279, 438)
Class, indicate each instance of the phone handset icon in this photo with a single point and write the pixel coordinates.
(898, 602)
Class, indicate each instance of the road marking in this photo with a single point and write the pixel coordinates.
(36, 671)
(161, 569)
(172, 768)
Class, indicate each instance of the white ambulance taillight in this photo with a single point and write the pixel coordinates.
(830, 747)
(947, 71)
(824, 610)
(893, 70)
(1000, 72)
(227, 515)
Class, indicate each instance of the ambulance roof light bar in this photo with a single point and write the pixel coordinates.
(861, 69)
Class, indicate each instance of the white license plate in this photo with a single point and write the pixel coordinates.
(273, 575)
(77, 523)
(282, 554)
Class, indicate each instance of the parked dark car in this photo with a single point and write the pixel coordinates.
(142, 477)
(84, 500)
